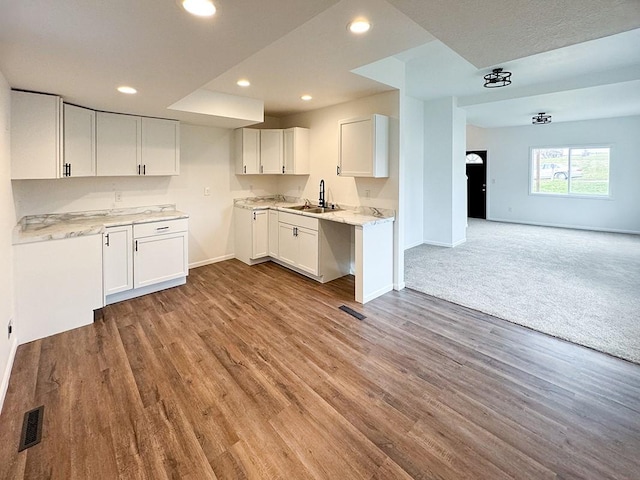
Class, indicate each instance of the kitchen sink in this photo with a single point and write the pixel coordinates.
(310, 209)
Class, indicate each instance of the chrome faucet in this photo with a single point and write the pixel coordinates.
(321, 202)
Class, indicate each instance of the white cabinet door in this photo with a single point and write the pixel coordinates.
(79, 142)
(160, 152)
(364, 147)
(247, 151)
(271, 153)
(118, 144)
(260, 233)
(287, 243)
(117, 261)
(296, 151)
(160, 258)
(307, 250)
(36, 137)
(273, 233)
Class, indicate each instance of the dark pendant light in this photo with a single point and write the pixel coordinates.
(541, 119)
(497, 78)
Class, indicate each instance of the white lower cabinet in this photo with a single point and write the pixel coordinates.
(144, 258)
(117, 253)
(298, 246)
(251, 235)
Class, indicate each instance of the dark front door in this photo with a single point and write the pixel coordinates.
(477, 184)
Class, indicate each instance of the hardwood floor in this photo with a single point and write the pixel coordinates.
(254, 372)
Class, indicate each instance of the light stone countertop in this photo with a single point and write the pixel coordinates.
(358, 216)
(56, 226)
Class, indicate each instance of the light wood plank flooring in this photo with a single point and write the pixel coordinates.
(254, 373)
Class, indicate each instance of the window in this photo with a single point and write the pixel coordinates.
(580, 171)
(474, 159)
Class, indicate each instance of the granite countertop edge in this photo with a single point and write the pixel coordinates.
(357, 216)
(41, 228)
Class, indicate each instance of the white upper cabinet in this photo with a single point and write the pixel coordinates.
(247, 151)
(132, 145)
(364, 147)
(79, 142)
(271, 151)
(160, 153)
(118, 144)
(36, 135)
(296, 151)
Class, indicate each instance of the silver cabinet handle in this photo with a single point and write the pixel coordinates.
(162, 228)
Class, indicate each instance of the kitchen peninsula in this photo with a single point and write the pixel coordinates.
(318, 242)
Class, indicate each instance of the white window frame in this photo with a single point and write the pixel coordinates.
(569, 194)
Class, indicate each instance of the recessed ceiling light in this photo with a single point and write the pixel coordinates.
(306, 98)
(127, 90)
(243, 82)
(200, 8)
(359, 26)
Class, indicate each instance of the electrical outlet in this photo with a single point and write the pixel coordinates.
(118, 196)
(251, 188)
(10, 328)
(367, 193)
(510, 209)
(207, 191)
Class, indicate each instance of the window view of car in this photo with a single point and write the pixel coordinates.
(555, 170)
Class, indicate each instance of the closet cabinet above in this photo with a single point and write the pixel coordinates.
(272, 151)
(364, 147)
(51, 140)
(131, 145)
(36, 135)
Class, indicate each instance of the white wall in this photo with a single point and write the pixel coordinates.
(508, 189)
(7, 222)
(413, 129)
(476, 138)
(445, 183)
(206, 161)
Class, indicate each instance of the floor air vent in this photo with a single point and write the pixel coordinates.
(352, 312)
(31, 428)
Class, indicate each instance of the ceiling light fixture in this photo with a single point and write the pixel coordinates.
(306, 98)
(359, 26)
(497, 78)
(200, 8)
(243, 82)
(541, 119)
(127, 90)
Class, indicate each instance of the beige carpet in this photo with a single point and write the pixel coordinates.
(577, 285)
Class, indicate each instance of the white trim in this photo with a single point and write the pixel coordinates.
(414, 244)
(377, 293)
(562, 225)
(138, 292)
(209, 261)
(443, 244)
(7, 372)
(399, 286)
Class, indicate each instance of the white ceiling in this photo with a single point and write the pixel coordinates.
(82, 50)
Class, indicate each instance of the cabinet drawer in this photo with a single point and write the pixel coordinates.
(298, 220)
(162, 227)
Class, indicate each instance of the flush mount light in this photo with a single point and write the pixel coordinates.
(127, 90)
(306, 98)
(541, 119)
(200, 8)
(359, 26)
(497, 78)
(243, 82)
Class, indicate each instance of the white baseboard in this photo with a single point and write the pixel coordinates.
(444, 244)
(562, 225)
(7, 372)
(209, 261)
(377, 293)
(414, 244)
(399, 286)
